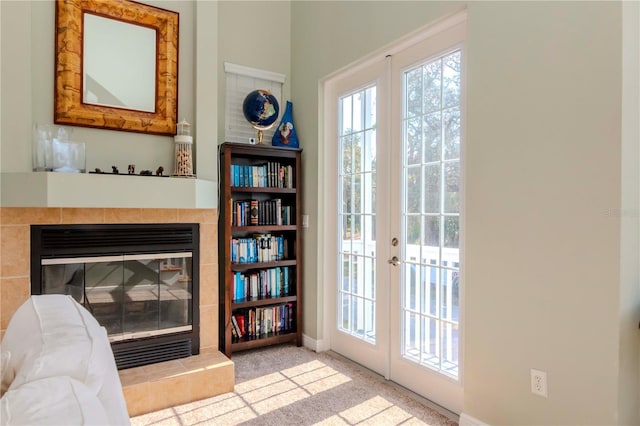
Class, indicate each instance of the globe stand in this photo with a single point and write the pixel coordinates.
(260, 130)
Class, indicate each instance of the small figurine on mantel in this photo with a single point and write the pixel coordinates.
(115, 171)
(132, 169)
(160, 171)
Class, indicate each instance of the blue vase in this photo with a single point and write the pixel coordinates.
(285, 135)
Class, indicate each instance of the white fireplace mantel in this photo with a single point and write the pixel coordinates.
(50, 189)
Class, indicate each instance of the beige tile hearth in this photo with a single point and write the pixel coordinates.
(154, 387)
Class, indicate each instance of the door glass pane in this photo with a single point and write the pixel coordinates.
(346, 117)
(431, 240)
(413, 184)
(347, 166)
(413, 136)
(452, 187)
(358, 118)
(357, 195)
(432, 188)
(450, 344)
(431, 132)
(412, 234)
(452, 233)
(369, 157)
(430, 355)
(433, 77)
(451, 121)
(430, 304)
(346, 194)
(345, 160)
(451, 79)
(412, 336)
(414, 92)
(370, 113)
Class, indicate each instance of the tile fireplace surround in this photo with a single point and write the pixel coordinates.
(146, 388)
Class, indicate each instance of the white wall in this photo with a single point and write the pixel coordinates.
(28, 57)
(544, 276)
(544, 104)
(256, 34)
(629, 374)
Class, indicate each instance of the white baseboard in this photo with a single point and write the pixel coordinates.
(315, 345)
(467, 420)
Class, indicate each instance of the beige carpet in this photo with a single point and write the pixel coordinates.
(286, 385)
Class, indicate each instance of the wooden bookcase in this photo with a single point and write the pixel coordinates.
(260, 246)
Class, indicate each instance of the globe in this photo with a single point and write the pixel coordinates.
(261, 109)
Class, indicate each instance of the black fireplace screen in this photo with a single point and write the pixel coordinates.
(132, 296)
(139, 281)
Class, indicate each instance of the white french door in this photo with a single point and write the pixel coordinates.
(358, 295)
(394, 214)
(427, 117)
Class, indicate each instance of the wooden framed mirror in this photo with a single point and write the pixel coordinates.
(116, 66)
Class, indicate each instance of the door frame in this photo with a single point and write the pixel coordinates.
(327, 179)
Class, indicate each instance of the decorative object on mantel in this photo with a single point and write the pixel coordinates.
(261, 109)
(132, 169)
(53, 150)
(42, 148)
(184, 143)
(159, 172)
(285, 135)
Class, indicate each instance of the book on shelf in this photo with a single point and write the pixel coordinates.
(254, 212)
(261, 322)
(262, 284)
(260, 248)
(265, 212)
(236, 326)
(272, 174)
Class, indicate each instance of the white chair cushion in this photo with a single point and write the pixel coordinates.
(52, 401)
(64, 339)
(6, 371)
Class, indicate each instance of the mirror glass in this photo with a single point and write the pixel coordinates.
(119, 64)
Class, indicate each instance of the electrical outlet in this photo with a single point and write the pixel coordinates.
(305, 220)
(539, 382)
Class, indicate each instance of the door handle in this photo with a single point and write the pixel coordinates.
(394, 261)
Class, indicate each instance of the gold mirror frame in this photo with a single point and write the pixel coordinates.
(69, 106)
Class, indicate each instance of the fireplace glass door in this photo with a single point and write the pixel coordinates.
(132, 296)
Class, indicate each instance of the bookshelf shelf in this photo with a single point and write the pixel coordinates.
(264, 228)
(246, 344)
(262, 302)
(260, 247)
(261, 265)
(266, 190)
